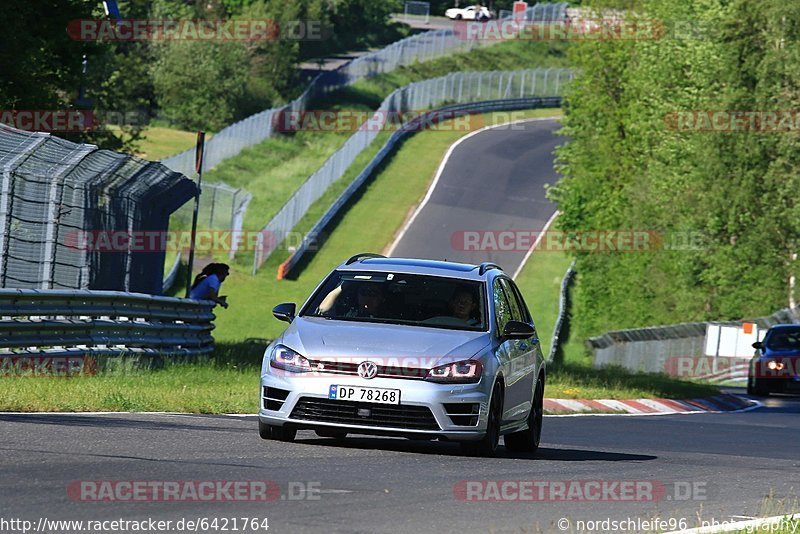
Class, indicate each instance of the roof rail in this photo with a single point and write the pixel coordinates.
(486, 266)
(363, 255)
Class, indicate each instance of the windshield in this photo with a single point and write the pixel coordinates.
(784, 339)
(408, 299)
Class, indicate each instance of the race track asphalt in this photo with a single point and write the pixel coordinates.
(493, 181)
(714, 466)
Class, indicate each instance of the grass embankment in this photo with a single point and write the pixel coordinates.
(229, 383)
(160, 143)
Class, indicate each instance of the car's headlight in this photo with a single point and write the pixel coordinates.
(463, 372)
(288, 360)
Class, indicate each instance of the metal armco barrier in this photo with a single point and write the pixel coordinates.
(562, 312)
(40, 329)
(667, 349)
(310, 240)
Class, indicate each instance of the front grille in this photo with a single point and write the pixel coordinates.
(464, 413)
(381, 415)
(274, 398)
(384, 371)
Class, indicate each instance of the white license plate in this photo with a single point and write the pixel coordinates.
(362, 394)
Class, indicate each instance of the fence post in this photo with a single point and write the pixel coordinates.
(213, 204)
(6, 196)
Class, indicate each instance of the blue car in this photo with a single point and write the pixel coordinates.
(410, 348)
(774, 368)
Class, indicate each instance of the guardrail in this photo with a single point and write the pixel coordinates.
(41, 325)
(562, 311)
(311, 239)
(669, 349)
(172, 275)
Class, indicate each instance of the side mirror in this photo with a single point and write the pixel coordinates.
(517, 330)
(758, 345)
(284, 312)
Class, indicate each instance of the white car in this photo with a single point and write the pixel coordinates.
(468, 13)
(409, 348)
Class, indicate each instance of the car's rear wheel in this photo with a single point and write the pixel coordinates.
(528, 440)
(757, 387)
(761, 389)
(487, 446)
(458, 17)
(331, 433)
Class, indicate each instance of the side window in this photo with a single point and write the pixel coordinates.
(513, 302)
(523, 308)
(502, 310)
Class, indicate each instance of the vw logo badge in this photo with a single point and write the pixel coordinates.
(367, 370)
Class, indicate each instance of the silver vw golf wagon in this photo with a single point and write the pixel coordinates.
(407, 347)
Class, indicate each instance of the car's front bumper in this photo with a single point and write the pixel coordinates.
(306, 405)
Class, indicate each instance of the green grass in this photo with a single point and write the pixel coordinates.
(575, 381)
(182, 388)
(160, 142)
(273, 170)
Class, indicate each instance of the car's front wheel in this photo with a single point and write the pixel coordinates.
(278, 433)
(265, 431)
(458, 17)
(487, 446)
(528, 440)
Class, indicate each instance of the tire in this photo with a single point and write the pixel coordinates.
(458, 17)
(487, 446)
(528, 440)
(331, 433)
(265, 431)
(282, 433)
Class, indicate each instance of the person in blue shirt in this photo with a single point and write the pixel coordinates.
(207, 284)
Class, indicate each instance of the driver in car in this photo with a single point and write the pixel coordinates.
(370, 299)
(463, 306)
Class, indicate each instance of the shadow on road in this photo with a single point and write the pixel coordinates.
(452, 449)
(124, 421)
(580, 455)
